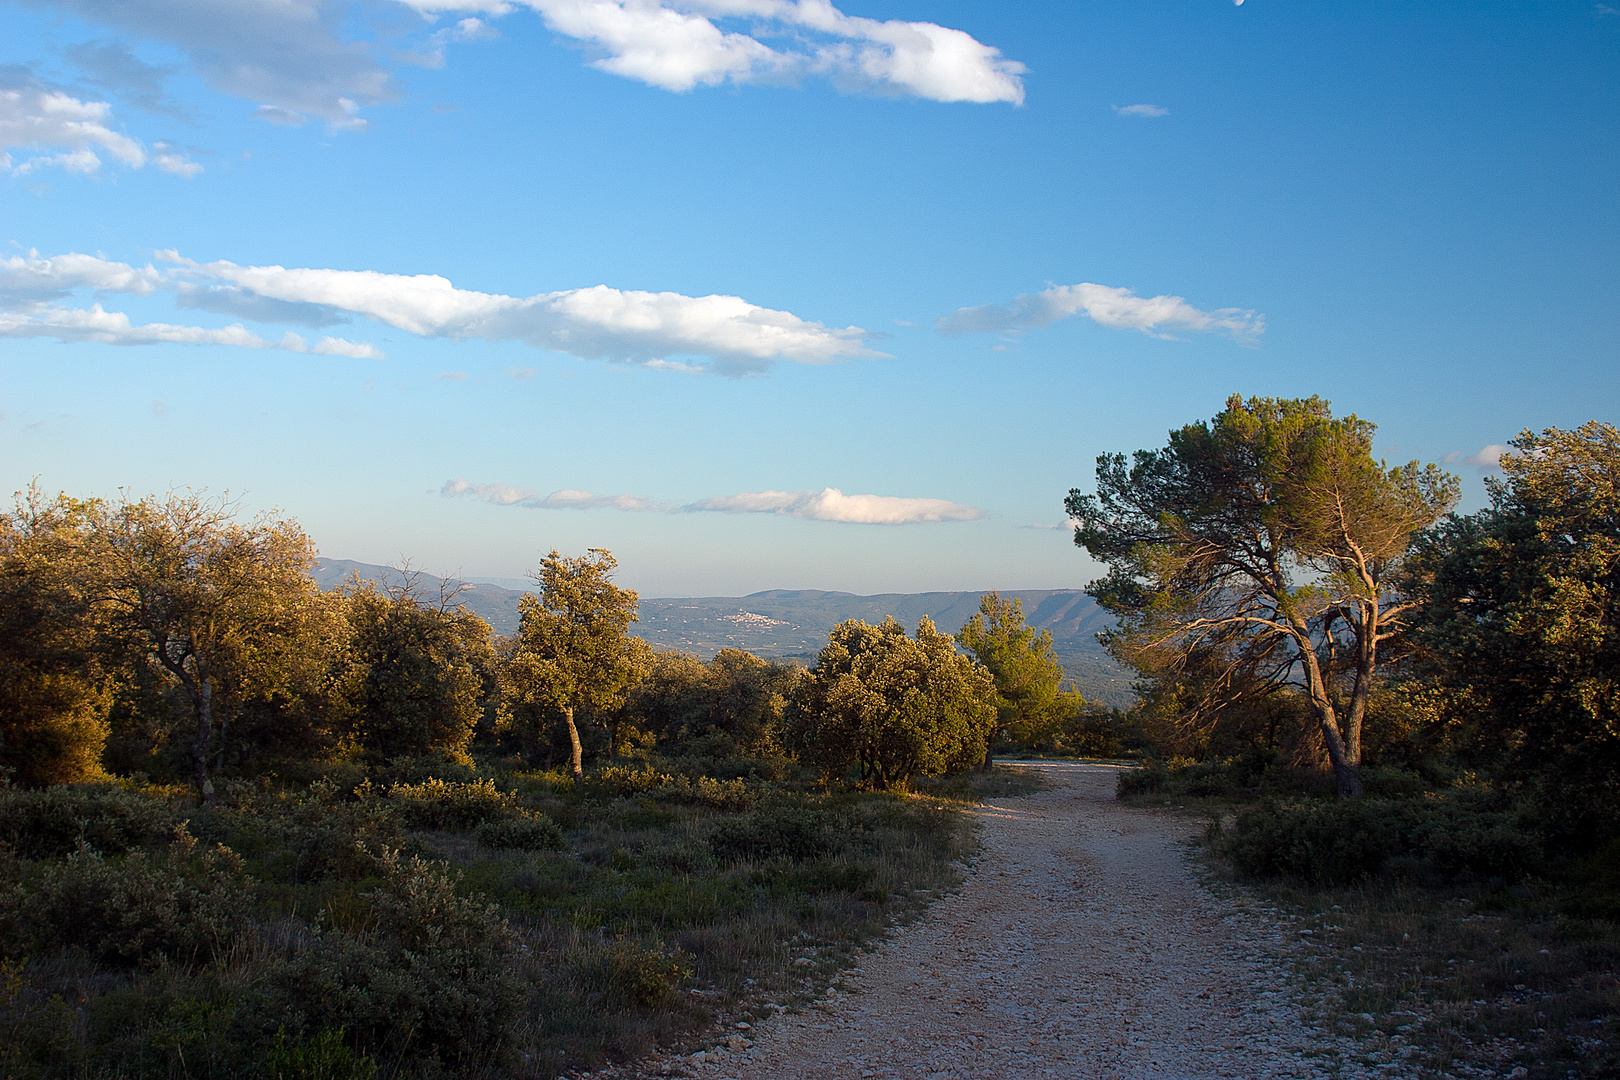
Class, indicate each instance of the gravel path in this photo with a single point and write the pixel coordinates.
(1081, 945)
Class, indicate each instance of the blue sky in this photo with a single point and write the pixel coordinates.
(763, 294)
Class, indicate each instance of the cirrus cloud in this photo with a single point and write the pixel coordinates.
(1115, 308)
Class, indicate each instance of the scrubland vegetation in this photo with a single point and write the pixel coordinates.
(1402, 725)
(248, 828)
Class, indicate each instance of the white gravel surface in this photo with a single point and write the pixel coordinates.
(1081, 945)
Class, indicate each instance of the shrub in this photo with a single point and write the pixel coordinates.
(619, 782)
(1342, 841)
(779, 831)
(627, 975)
(731, 795)
(325, 1057)
(536, 833)
(1150, 778)
(183, 907)
(52, 822)
(429, 976)
(440, 804)
(302, 836)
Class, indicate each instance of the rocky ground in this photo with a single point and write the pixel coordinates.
(1082, 944)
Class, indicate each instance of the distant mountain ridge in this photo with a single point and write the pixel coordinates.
(794, 623)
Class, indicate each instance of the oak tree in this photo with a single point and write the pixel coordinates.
(574, 648)
(226, 609)
(896, 706)
(1030, 700)
(1520, 624)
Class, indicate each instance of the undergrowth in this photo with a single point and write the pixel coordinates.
(1436, 924)
(391, 923)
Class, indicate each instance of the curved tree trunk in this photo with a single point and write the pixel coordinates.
(1345, 755)
(578, 753)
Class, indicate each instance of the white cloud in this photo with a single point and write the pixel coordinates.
(1115, 308)
(597, 323)
(288, 55)
(30, 284)
(354, 350)
(177, 165)
(38, 117)
(676, 45)
(35, 278)
(830, 504)
(1486, 457)
(115, 328)
(564, 499)
(1141, 110)
(1070, 525)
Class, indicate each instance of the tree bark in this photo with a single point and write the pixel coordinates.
(202, 702)
(1346, 759)
(578, 752)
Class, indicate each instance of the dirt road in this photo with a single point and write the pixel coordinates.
(1081, 945)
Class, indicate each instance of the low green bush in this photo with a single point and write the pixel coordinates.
(1149, 779)
(627, 975)
(450, 804)
(48, 823)
(729, 795)
(621, 782)
(183, 906)
(324, 1057)
(1333, 842)
(427, 975)
(298, 837)
(528, 833)
(774, 831)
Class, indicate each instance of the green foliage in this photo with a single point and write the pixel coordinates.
(300, 836)
(428, 974)
(1030, 706)
(420, 674)
(627, 975)
(896, 707)
(536, 833)
(573, 649)
(782, 831)
(1257, 550)
(182, 906)
(55, 821)
(1520, 629)
(224, 610)
(441, 804)
(55, 691)
(621, 781)
(1331, 843)
(734, 704)
(324, 1057)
